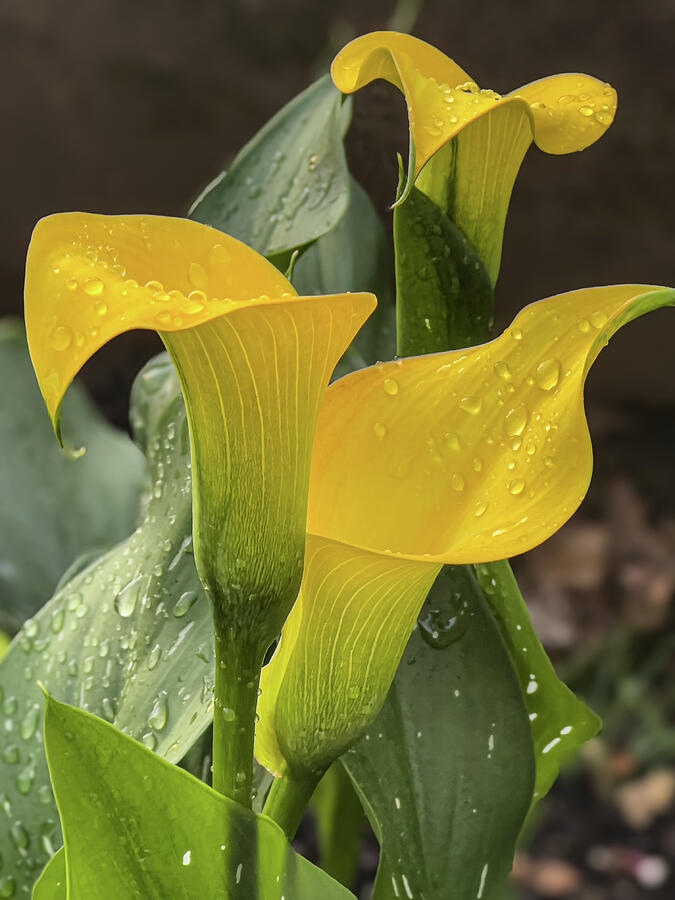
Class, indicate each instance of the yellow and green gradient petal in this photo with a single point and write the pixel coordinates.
(467, 143)
(254, 360)
(459, 457)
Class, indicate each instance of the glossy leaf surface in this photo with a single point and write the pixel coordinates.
(446, 770)
(289, 184)
(444, 294)
(355, 256)
(38, 483)
(560, 722)
(136, 826)
(129, 638)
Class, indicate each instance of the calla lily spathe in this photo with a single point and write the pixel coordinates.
(254, 361)
(467, 144)
(253, 358)
(459, 457)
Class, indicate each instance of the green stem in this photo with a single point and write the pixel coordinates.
(238, 666)
(288, 799)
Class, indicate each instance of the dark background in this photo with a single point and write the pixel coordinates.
(125, 106)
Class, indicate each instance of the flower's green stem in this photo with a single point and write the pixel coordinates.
(238, 666)
(288, 799)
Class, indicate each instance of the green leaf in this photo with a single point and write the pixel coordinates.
(129, 638)
(339, 822)
(560, 722)
(289, 184)
(135, 826)
(446, 770)
(355, 256)
(444, 294)
(51, 885)
(53, 508)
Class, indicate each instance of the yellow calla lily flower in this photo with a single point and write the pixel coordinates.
(466, 456)
(561, 114)
(254, 361)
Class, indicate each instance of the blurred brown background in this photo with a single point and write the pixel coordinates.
(124, 106)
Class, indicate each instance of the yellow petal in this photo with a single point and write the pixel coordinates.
(472, 455)
(442, 99)
(338, 654)
(253, 358)
(570, 112)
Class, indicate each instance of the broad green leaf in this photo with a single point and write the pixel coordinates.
(51, 885)
(289, 184)
(355, 256)
(129, 638)
(54, 508)
(444, 295)
(446, 770)
(560, 722)
(135, 826)
(339, 823)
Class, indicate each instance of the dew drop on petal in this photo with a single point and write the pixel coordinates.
(62, 337)
(471, 404)
(93, 287)
(547, 375)
(197, 275)
(390, 387)
(516, 420)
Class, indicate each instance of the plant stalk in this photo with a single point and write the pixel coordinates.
(288, 798)
(238, 667)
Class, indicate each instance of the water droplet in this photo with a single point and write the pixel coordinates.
(93, 287)
(586, 111)
(443, 621)
(197, 275)
(185, 603)
(584, 325)
(457, 482)
(187, 857)
(57, 620)
(11, 755)
(547, 374)
(452, 441)
(390, 387)
(159, 713)
(149, 740)
(154, 286)
(101, 307)
(62, 337)
(503, 371)
(516, 334)
(516, 420)
(472, 405)
(125, 600)
(229, 715)
(29, 722)
(517, 486)
(19, 836)
(598, 319)
(379, 429)
(25, 779)
(154, 657)
(72, 284)
(479, 508)
(604, 117)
